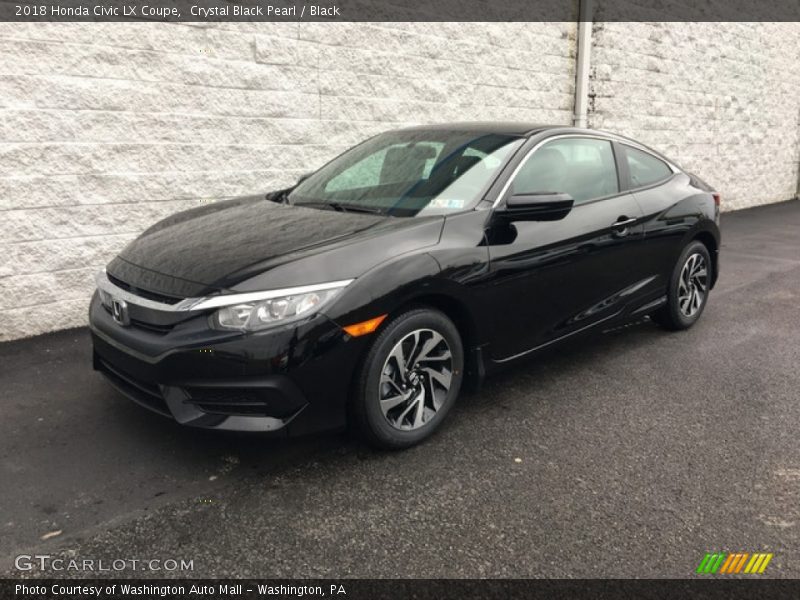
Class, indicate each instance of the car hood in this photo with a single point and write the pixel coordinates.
(227, 244)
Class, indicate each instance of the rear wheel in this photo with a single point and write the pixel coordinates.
(409, 380)
(688, 288)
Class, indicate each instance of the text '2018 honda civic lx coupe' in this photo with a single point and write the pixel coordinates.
(416, 262)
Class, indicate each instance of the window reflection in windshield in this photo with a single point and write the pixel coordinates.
(406, 173)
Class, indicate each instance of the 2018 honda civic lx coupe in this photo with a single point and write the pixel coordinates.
(410, 265)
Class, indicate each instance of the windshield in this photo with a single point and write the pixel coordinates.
(408, 173)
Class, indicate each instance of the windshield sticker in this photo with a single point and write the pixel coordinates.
(447, 203)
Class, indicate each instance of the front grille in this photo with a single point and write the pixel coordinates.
(141, 392)
(255, 409)
(159, 329)
(229, 402)
(151, 327)
(164, 299)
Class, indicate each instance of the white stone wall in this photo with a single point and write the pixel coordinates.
(721, 99)
(106, 128)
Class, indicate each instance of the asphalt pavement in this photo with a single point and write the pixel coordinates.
(630, 454)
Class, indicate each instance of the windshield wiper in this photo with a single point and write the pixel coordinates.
(340, 207)
(357, 208)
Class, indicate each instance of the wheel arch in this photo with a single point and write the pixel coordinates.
(710, 242)
(455, 309)
(464, 319)
(458, 311)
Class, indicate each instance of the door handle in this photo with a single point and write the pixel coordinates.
(620, 227)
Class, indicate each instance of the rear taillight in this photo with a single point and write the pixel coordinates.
(717, 198)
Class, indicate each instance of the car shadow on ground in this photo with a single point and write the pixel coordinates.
(77, 454)
(257, 454)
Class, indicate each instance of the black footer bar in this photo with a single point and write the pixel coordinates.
(402, 589)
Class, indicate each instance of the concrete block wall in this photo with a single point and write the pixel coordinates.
(106, 128)
(721, 99)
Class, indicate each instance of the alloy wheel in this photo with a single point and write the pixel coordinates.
(415, 379)
(692, 285)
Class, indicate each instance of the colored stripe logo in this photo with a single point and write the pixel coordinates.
(731, 563)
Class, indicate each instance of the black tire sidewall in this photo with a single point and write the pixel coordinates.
(371, 421)
(679, 320)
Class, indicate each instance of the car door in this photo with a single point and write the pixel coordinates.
(551, 279)
(670, 207)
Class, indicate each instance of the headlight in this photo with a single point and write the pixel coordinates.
(105, 298)
(252, 316)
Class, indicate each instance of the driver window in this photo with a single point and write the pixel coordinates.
(583, 168)
(391, 165)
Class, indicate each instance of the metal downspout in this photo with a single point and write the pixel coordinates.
(580, 116)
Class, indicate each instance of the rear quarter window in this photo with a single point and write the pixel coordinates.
(644, 168)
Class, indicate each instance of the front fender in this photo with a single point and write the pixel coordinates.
(385, 288)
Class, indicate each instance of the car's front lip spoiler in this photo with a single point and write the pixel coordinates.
(174, 402)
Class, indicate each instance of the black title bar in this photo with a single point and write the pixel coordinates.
(395, 10)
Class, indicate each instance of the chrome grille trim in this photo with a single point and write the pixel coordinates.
(204, 303)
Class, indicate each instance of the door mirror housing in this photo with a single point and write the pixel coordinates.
(537, 206)
(279, 196)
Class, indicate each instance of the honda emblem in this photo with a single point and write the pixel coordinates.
(119, 312)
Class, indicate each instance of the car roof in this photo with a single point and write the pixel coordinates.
(527, 129)
(521, 128)
(498, 127)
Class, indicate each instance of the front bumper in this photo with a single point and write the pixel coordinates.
(292, 379)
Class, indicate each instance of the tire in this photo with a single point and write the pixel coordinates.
(388, 415)
(688, 289)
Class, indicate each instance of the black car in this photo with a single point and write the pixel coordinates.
(408, 267)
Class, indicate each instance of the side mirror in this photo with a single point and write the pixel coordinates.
(538, 206)
(279, 196)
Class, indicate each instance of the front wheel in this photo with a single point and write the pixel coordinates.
(409, 380)
(688, 288)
